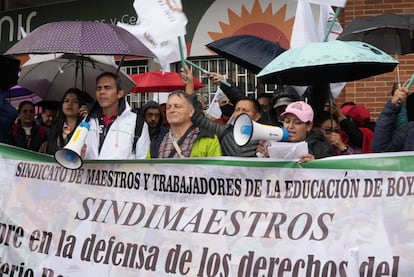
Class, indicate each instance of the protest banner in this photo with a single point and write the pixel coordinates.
(207, 217)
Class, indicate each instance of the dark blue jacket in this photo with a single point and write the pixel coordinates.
(387, 138)
(8, 115)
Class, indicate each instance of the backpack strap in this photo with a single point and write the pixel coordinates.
(181, 140)
(139, 123)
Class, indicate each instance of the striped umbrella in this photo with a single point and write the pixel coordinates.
(17, 94)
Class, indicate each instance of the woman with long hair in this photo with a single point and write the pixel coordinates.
(71, 112)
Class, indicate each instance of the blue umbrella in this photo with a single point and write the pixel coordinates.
(327, 62)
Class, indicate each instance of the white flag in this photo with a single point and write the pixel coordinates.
(326, 16)
(304, 28)
(308, 28)
(213, 110)
(335, 3)
(159, 25)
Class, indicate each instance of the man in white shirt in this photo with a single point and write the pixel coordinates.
(112, 124)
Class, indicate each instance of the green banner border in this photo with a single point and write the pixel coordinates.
(403, 161)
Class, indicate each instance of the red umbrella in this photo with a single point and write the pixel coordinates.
(157, 81)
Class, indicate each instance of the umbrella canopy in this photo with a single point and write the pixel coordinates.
(157, 81)
(80, 37)
(392, 33)
(50, 75)
(248, 51)
(327, 62)
(17, 94)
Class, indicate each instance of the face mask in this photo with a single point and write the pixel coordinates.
(227, 110)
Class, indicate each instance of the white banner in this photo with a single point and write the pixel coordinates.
(203, 217)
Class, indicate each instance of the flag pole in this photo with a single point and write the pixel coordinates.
(206, 72)
(337, 11)
(180, 44)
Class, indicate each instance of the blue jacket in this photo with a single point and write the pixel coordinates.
(387, 138)
(8, 115)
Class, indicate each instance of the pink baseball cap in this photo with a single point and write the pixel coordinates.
(301, 109)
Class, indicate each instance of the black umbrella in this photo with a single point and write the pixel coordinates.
(248, 51)
(392, 33)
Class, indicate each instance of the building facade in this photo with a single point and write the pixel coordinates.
(210, 20)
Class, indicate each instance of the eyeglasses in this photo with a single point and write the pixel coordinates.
(330, 130)
(28, 111)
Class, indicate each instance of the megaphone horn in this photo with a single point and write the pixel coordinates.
(69, 156)
(245, 130)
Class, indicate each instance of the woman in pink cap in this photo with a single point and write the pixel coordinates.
(298, 120)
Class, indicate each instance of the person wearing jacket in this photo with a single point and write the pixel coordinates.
(25, 133)
(69, 115)
(8, 115)
(387, 137)
(224, 132)
(112, 124)
(152, 114)
(298, 121)
(184, 139)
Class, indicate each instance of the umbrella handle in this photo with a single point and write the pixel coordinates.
(408, 86)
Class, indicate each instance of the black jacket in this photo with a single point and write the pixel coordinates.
(317, 145)
(17, 136)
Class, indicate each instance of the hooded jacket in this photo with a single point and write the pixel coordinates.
(159, 130)
(119, 139)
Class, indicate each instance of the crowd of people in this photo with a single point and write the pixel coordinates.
(180, 128)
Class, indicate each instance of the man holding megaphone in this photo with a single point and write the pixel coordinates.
(112, 124)
(108, 133)
(243, 104)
